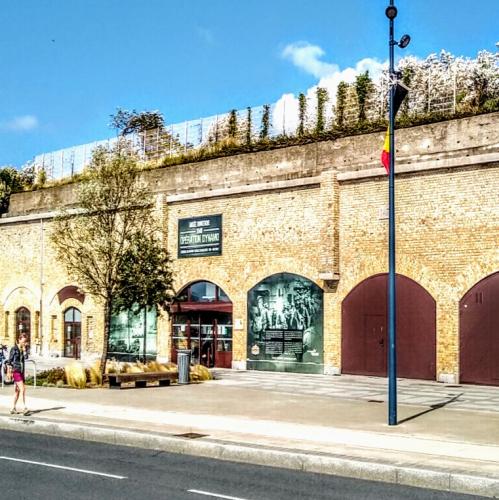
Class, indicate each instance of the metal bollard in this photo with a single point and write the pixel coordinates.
(184, 364)
(34, 370)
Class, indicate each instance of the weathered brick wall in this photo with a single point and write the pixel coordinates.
(447, 239)
(263, 234)
(24, 281)
(313, 210)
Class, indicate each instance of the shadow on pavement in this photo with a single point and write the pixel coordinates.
(434, 407)
(41, 410)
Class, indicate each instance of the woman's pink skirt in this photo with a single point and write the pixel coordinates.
(18, 376)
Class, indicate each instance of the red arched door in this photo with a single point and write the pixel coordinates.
(479, 333)
(365, 336)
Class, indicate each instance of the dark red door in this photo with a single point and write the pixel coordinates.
(375, 344)
(365, 336)
(479, 333)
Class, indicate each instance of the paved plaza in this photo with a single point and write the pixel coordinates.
(375, 389)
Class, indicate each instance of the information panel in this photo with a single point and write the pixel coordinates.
(200, 236)
(283, 341)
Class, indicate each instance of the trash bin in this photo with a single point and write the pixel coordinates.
(184, 363)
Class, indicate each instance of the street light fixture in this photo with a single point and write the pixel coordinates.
(391, 13)
(404, 41)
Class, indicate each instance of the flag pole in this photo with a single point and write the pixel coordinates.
(392, 337)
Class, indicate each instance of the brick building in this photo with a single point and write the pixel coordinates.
(280, 260)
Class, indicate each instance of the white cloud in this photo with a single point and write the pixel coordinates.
(307, 57)
(23, 123)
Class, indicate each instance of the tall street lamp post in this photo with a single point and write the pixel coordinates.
(391, 13)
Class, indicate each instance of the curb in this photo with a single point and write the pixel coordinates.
(260, 455)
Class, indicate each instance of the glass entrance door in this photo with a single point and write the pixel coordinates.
(223, 343)
(207, 335)
(72, 333)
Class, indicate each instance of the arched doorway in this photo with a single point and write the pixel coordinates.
(479, 333)
(72, 333)
(23, 322)
(364, 339)
(202, 322)
(285, 325)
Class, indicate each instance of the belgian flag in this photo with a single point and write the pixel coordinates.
(400, 92)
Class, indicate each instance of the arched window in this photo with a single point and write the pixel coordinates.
(23, 322)
(72, 333)
(202, 291)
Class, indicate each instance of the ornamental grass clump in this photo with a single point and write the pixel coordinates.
(200, 373)
(75, 375)
(95, 375)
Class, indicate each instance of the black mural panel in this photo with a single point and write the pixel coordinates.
(285, 325)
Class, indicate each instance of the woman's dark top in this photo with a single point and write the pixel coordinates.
(16, 358)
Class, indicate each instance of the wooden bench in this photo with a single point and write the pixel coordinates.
(140, 379)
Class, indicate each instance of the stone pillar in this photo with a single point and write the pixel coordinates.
(448, 341)
(239, 331)
(164, 337)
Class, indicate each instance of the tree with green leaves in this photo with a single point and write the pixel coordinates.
(322, 97)
(111, 246)
(265, 128)
(127, 122)
(249, 125)
(341, 98)
(363, 88)
(232, 124)
(13, 180)
(407, 76)
(302, 114)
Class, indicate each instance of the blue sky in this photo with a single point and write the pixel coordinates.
(66, 65)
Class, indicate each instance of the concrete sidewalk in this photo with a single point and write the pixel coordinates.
(433, 447)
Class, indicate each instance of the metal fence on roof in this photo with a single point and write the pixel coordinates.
(179, 138)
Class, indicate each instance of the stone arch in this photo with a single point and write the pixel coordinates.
(13, 299)
(261, 276)
(58, 294)
(364, 338)
(479, 332)
(186, 281)
(71, 292)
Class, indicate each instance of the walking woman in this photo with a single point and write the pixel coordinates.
(18, 354)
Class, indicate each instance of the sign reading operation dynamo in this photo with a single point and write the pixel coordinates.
(200, 236)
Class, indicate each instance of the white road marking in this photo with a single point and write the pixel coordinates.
(84, 471)
(216, 495)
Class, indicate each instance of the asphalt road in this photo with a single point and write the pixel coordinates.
(35, 466)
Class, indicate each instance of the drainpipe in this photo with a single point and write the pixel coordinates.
(42, 255)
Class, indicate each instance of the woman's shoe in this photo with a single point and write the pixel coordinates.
(25, 411)
(13, 411)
